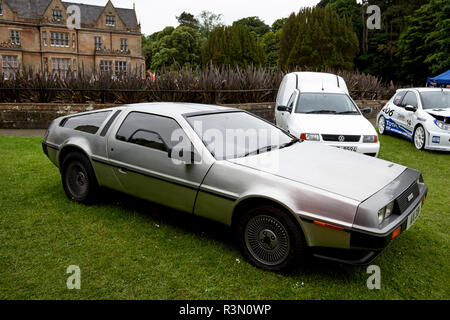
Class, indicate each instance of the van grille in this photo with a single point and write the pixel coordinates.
(335, 137)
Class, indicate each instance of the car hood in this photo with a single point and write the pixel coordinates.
(334, 124)
(439, 112)
(342, 172)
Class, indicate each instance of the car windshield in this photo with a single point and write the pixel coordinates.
(238, 134)
(435, 99)
(325, 103)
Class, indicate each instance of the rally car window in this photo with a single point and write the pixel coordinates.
(410, 99)
(89, 123)
(151, 131)
(399, 97)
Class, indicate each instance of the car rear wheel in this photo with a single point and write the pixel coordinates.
(419, 137)
(269, 239)
(381, 125)
(78, 178)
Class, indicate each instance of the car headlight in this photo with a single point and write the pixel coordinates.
(310, 136)
(442, 125)
(370, 139)
(385, 212)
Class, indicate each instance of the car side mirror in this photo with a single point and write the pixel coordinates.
(282, 108)
(410, 108)
(366, 110)
(183, 155)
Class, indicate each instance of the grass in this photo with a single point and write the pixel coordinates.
(131, 249)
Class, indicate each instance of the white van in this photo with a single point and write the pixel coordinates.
(316, 106)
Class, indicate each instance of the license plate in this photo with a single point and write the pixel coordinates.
(413, 216)
(354, 149)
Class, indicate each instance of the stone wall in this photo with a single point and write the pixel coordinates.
(39, 116)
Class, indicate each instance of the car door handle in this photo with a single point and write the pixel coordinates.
(122, 171)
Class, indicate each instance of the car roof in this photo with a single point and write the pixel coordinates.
(318, 82)
(423, 89)
(177, 108)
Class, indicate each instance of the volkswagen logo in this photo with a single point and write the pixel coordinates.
(341, 138)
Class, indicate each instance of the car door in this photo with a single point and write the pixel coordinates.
(393, 111)
(139, 153)
(287, 117)
(406, 116)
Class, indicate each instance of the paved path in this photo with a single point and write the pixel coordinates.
(22, 133)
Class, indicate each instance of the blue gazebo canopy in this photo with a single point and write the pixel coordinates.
(440, 79)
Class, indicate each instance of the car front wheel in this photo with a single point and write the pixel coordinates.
(269, 239)
(381, 125)
(78, 178)
(419, 137)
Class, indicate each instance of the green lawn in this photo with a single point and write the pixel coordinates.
(131, 249)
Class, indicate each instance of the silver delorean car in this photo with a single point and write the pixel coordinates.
(284, 199)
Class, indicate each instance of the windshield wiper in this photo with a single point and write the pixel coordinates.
(321, 111)
(260, 150)
(348, 112)
(290, 143)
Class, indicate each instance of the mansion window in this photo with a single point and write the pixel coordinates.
(57, 15)
(1, 8)
(44, 37)
(123, 45)
(98, 43)
(121, 67)
(105, 66)
(15, 37)
(10, 67)
(59, 39)
(110, 20)
(60, 66)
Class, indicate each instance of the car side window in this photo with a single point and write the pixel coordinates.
(89, 123)
(399, 97)
(410, 99)
(151, 131)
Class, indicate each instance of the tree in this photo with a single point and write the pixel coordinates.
(234, 45)
(188, 20)
(175, 48)
(278, 24)
(318, 38)
(209, 21)
(254, 24)
(423, 48)
(270, 43)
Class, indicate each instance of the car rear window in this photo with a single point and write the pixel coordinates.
(89, 123)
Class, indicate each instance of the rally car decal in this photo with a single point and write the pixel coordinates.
(393, 126)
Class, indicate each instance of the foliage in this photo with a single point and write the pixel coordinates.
(255, 25)
(278, 24)
(424, 47)
(208, 22)
(270, 43)
(234, 45)
(175, 48)
(318, 38)
(188, 20)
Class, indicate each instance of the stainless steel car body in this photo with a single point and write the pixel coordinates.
(314, 183)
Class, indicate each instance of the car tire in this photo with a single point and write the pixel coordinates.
(381, 125)
(78, 178)
(419, 137)
(269, 238)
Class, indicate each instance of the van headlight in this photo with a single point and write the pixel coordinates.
(310, 136)
(385, 212)
(370, 139)
(442, 125)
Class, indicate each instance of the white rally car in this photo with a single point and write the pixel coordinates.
(420, 114)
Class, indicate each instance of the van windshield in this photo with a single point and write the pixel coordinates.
(326, 103)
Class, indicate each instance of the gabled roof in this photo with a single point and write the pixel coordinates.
(89, 13)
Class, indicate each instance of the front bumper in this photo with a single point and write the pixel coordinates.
(367, 243)
(370, 149)
(438, 140)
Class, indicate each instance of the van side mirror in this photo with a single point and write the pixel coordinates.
(282, 108)
(409, 107)
(366, 110)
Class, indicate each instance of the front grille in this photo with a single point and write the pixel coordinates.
(343, 138)
(403, 202)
